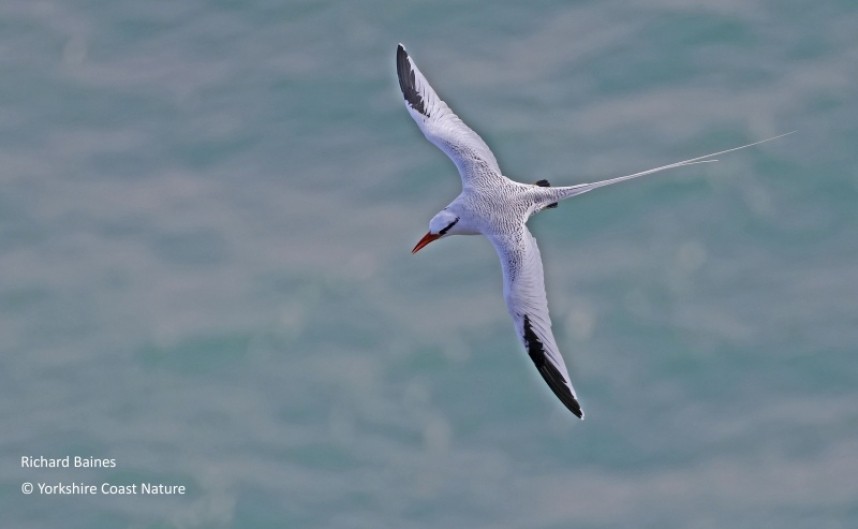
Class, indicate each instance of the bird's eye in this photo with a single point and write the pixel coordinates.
(445, 230)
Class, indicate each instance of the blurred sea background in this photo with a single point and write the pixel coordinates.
(206, 214)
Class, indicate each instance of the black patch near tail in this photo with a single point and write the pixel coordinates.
(407, 82)
(545, 183)
(555, 379)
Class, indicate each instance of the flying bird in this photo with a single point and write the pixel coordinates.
(498, 208)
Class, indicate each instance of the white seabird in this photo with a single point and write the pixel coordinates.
(498, 208)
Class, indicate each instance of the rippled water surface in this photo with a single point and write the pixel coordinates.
(206, 213)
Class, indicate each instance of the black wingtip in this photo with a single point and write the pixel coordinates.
(406, 81)
(554, 378)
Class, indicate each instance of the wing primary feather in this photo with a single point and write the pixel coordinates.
(442, 127)
(554, 378)
(408, 83)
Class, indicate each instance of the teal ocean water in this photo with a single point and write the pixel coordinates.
(206, 216)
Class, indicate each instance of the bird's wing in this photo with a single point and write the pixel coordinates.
(524, 292)
(442, 126)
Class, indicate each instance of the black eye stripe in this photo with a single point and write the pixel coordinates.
(445, 230)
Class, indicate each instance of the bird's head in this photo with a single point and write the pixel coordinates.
(441, 225)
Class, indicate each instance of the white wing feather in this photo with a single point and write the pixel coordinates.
(524, 292)
(442, 126)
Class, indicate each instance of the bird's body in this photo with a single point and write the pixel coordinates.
(498, 208)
